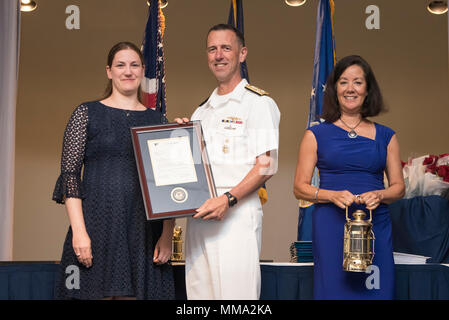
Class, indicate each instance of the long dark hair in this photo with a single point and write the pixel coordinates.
(373, 103)
(116, 48)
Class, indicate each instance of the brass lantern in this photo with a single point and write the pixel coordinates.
(358, 247)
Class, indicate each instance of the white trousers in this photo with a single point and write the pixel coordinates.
(222, 257)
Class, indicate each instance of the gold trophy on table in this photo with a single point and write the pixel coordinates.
(177, 256)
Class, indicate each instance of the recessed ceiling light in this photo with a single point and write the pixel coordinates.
(295, 3)
(27, 5)
(437, 7)
(164, 3)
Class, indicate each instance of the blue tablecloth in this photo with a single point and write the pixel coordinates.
(286, 282)
(27, 281)
(422, 282)
(421, 226)
(413, 282)
(35, 281)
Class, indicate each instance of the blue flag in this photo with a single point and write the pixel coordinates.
(324, 59)
(153, 85)
(323, 63)
(236, 20)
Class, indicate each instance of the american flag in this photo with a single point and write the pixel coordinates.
(153, 85)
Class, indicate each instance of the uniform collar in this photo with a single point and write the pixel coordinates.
(216, 100)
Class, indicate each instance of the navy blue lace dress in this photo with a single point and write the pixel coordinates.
(97, 145)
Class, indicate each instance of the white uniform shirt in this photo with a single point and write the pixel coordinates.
(237, 128)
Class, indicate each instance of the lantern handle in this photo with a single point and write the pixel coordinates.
(370, 215)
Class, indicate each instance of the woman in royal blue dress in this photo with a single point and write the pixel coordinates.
(351, 153)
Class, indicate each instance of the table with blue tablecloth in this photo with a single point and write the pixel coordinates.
(280, 281)
(27, 280)
(294, 281)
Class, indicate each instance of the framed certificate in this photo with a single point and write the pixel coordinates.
(174, 170)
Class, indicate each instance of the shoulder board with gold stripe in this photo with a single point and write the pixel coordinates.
(256, 90)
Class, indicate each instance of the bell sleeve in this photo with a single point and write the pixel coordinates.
(69, 184)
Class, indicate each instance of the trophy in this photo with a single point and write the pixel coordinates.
(358, 246)
(176, 258)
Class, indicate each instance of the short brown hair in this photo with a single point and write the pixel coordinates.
(224, 26)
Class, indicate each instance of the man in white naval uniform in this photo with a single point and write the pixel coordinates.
(241, 129)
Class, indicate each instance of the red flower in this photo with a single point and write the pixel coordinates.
(443, 155)
(443, 171)
(431, 159)
(446, 178)
(432, 168)
(403, 163)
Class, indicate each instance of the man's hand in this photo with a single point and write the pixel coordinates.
(213, 208)
(181, 120)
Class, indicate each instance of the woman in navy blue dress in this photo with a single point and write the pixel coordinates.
(118, 254)
(351, 153)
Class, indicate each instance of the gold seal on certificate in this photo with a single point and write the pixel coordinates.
(179, 195)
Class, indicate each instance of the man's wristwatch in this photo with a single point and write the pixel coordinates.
(232, 200)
